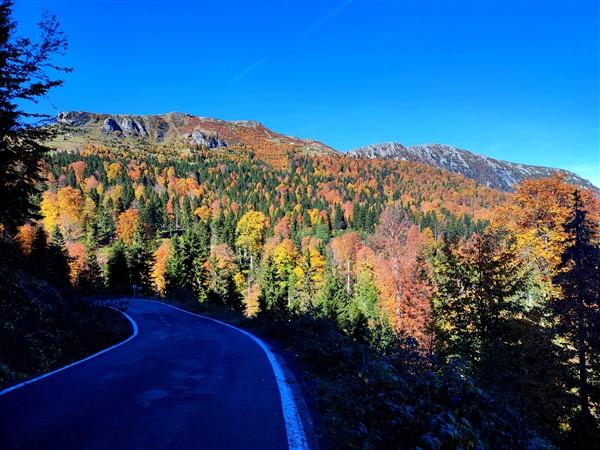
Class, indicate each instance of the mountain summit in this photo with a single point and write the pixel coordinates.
(488, 171)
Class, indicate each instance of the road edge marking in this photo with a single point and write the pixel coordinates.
(135, 328)
(293, 423)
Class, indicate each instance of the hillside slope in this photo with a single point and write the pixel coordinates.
(183, 130)
(488, 171)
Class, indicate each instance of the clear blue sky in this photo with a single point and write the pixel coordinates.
(516, 80)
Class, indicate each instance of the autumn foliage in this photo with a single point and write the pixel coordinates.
(451, 269)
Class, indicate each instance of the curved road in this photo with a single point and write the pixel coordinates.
(182, 382)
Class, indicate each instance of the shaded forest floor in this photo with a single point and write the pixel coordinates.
(43, 326)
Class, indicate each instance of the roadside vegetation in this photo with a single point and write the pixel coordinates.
(44, 325)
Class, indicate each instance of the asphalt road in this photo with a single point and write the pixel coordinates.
(182, 382)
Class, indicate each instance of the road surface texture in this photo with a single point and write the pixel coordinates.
(182, 382)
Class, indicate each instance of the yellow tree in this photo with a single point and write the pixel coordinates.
(284, 258)
(113, 171)
(49, 210)
(202, 212)
(70, 218)
(251, 300)
(161, 256)
(126, 225)
(309, 275)
(89, 210)
(250, 232)
(537, 216)
(25, 237)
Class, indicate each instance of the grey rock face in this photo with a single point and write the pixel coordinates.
(161, 131)
(208, 140)
(125, 125)
(73, 118)
(110, 126)
(247, 123)
(133, 127)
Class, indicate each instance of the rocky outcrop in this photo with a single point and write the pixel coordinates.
(110, 125)
(133, 127)
(73, 118)
(247, 123)
(161, 131)
(126, 125)
(207, 139)
(488, 171)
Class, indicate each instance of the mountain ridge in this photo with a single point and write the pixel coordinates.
(273, 147)
(183, 128)
(492, 172)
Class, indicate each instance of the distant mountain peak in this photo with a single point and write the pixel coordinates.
(485, 170)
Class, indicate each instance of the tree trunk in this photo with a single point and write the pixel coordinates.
(348, 277)
(581, 350)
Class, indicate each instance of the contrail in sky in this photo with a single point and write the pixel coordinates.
(305, 32)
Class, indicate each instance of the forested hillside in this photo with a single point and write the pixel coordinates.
(424, 269)
(102, 196)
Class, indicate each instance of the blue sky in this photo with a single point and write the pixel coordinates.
(516, 80)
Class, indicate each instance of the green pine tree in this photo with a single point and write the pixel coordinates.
(273, 291)
(333, 300)
(139, 263)
(578, 313)
(91, 277)
(365, 296)
(116, 271)
(479, 290)
(175, 281)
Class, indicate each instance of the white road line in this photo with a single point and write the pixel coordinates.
(41, 377)
(293, 424)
